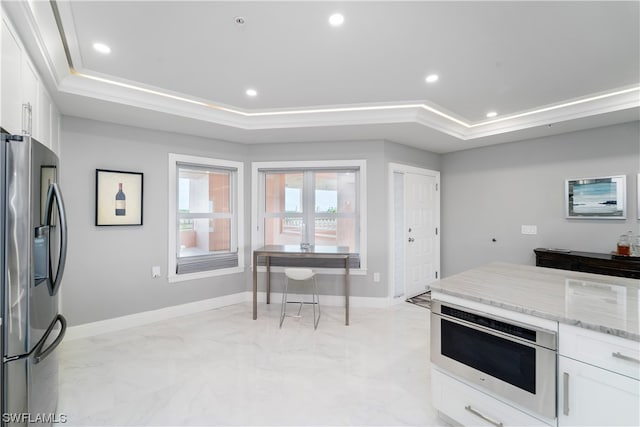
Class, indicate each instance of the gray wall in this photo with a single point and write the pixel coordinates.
(108, 271)
(109, 268)
(486, 193)
(377, 154)
(490, 192)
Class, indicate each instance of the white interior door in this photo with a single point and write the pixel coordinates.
(421, 235)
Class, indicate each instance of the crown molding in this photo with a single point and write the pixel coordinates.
(588, 106)
(65, 69)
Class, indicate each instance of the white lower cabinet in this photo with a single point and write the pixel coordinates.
(591, 396)
(470, 407)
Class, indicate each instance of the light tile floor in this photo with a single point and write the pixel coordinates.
(220, 367)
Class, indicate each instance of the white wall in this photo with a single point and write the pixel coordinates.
(490, 192)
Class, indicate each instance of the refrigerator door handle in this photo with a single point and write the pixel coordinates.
(54, 192)
(39, 353)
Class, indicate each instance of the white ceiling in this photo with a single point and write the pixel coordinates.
(363, 80)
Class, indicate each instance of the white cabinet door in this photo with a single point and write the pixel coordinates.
(590, 396)
(10, 78)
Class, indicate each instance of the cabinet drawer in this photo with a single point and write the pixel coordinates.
(598, 349)
(471, 407)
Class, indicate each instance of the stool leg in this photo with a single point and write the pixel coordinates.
(283, 307)
(300, 308)
(316, 300)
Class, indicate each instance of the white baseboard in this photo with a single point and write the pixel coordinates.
(139, 319)
(146, 317)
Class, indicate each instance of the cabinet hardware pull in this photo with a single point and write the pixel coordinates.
(483, 416)
(565, 395)
(27, 117)
(30, 128)
(619, 355)
(24, 118)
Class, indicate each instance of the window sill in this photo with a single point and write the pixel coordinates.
(204, 274)
(328, 271)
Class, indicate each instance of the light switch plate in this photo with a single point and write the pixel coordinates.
(155, 271)
(529, 229)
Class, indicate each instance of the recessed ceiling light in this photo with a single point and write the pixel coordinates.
(102, 48)
(491, 114)
(432, 78)
(251, 92)
(336, 20)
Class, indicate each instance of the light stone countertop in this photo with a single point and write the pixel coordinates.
(601, 303)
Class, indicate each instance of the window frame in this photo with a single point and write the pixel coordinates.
(237, 215)
(257, 195)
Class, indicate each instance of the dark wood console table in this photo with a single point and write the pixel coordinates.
(589, 262)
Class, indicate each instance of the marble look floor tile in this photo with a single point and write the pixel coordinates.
(220, 367)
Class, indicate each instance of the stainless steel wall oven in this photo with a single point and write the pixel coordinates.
(515, 361)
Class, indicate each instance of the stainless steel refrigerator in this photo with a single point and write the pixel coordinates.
(33, 232)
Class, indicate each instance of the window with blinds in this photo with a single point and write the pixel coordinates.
(315, 205)
(206, 215)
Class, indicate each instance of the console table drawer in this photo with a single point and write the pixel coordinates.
(588, 262)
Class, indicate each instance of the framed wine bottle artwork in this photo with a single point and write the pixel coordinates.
(118, 197)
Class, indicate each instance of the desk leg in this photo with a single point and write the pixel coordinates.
(255, 286)
(268, 279)
(346, 290)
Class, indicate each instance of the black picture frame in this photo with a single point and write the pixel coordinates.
(119, 198)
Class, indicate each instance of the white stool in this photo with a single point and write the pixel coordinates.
(300, 274)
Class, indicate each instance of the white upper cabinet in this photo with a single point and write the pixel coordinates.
(10, 81)
(25, 105)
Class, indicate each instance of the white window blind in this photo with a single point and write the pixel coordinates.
(205, 214)
(319, 206)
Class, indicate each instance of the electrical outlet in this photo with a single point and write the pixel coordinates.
(529, 229)
(376, 277)
(155, 271)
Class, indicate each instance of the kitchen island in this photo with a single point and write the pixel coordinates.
(594, 317)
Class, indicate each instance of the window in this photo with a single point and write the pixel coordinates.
(311, 202)
(205, 216)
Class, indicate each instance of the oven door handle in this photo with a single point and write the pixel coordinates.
(488, 331)
(546, 338)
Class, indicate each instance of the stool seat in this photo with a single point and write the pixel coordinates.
(300, 274)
